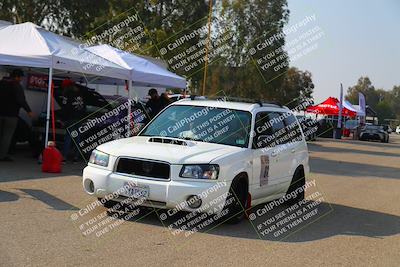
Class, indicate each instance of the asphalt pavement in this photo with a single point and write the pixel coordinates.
(357, 221)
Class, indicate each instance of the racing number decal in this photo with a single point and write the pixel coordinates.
(264, 170)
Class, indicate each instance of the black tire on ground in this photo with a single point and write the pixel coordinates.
(109, 204)
(298, 181)
(236, 202)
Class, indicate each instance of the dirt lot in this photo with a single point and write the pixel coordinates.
(359, 222)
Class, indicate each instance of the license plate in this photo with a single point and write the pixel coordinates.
(137, 191)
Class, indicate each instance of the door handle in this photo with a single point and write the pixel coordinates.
(274, 153)
(293, 150)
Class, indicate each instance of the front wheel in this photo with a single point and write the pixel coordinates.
(297, 182)
(236, 201)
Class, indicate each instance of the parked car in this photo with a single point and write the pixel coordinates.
(194, 145)
(326, 127)
(176, 97)
(387, 128)
(309, 127)
(96, 106)
(374, 132)
(398, 129)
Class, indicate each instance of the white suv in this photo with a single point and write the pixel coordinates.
(196, 153)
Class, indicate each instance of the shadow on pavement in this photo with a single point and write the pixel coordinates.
(334, 220)
(49, 199)
(313, 147)
(341, 168)
(26, 167)
(7, 196)
(393, 142)
(29, 169)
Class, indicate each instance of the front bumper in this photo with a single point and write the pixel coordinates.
(372, 136)
(165, 194)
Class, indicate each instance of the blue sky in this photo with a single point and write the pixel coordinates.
(361, 38)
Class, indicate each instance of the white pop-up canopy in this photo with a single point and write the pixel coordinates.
(143, 72)
(349, 106)
(28, 45)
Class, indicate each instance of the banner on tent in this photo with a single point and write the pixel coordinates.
(37, 82)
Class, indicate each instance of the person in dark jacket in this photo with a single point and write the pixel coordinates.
(74, 109)
(154, 104)
(12, 98)
(165, 100)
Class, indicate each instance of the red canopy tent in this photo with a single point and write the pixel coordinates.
(330, 107)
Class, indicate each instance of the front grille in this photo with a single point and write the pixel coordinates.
(141, 167)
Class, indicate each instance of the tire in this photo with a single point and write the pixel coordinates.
(109, 204)
(237, 199)
(298, 181)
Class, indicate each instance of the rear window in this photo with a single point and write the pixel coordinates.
(292, 128)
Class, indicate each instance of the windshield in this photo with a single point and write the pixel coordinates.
(373, 127)
(205, 124)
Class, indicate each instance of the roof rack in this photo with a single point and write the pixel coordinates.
(261, 103)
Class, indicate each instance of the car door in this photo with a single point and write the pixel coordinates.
(282, 153)
(295, 149)
(267, 168)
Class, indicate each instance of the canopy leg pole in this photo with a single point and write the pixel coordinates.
(48, 106)
(129, 106)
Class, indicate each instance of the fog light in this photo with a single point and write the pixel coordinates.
(194, 202)
(89, 186)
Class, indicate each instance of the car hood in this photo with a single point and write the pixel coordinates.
(185, 152)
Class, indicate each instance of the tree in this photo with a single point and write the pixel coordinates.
(61, 16)
(250, 22)
(385, 103)
(384, 111)
(364, 86)
(297, 87)
(234, 69)
(395, 101)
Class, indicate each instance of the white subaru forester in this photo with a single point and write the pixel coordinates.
(195, 153)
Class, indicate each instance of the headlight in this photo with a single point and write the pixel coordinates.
(203, 171)
(99, 158)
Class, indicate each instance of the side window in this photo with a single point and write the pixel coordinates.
(278, 127)
(263, 131)
(292, 128)
(270, 130)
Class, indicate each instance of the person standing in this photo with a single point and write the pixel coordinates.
(164, 100)
(12, 98)
(154, 104)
